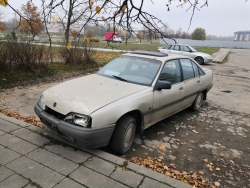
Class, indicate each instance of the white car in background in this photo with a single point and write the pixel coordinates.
(186, 50)
(117, 39)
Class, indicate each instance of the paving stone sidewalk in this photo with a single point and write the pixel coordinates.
(30, 157)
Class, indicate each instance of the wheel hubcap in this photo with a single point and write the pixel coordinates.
(129, 135)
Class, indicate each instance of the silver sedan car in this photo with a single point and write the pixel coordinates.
(128, 95)
(186, 50)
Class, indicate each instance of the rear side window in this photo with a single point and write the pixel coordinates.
(201, 71)
(187, 69)
(196, 70)
(174, 47)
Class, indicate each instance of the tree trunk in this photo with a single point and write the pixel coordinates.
(67, 28)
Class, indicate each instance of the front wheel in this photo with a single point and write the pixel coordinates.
(124, 134)
(197, 102)
(199, 60)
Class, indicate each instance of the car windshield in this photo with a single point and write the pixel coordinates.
(194, 50)
(132, 69)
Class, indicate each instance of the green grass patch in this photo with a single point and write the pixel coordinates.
(207, 50)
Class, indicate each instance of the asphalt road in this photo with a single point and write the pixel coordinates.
(214, 142)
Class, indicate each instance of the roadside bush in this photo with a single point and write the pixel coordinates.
(5, 57)
(79, 54)
(22, 56)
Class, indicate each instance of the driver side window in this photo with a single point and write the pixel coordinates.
(171, 72)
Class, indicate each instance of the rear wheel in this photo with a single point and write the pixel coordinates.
(124, 134)
(197, 102)
(199, 60)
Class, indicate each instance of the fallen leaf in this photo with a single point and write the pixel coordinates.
(162, 148)
(201, 172)
(176, 172)
(161, 157)
(217, 183)
(205, 160)
(133, 149)
(210, 167)
(218, 169)
(165, 167)
(231, 161)
(173, 165)
(222, 155)
(161, 133)
(194, 175)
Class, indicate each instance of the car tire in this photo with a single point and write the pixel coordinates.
(197, 102)
(124, 134)
(199, 60)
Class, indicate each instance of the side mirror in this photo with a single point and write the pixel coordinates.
(162, 85)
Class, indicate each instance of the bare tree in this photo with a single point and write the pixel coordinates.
(122, 14)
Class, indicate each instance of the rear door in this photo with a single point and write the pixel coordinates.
(192, 81)
(174, 49)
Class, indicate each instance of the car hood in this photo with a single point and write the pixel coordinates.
(87, 94)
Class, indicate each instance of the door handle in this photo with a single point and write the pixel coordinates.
(181, 88)
(198, 82)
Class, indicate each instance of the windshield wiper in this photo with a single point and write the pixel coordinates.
(120, 78)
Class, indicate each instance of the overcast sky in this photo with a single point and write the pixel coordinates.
(221, 17)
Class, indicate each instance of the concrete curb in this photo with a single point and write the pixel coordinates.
(120, 162)
(219, 56)
(225, 55)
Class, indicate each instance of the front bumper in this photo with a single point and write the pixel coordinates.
(86, 137)
(208, 60)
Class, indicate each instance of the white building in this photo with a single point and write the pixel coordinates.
(59, 28)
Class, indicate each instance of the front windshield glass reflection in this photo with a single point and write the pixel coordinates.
(132, 69)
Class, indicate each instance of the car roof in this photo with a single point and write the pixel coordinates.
(147, 54)
(179, 44)
(143, 52)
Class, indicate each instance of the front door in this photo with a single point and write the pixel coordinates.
(168, 101)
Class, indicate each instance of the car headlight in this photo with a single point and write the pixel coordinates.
(41, 103)
(78, 119)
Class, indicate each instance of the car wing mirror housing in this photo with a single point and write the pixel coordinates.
(162, 85)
